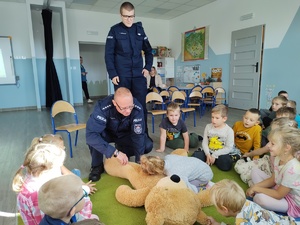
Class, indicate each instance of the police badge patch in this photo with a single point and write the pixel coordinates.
(137, 128)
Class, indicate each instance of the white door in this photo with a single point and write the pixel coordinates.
(245, 67)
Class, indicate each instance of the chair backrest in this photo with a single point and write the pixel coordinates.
(196, 88)
(164, 94)
(184, 93)
(190, 85)
(153, 96)
(155, 89)
(61, 106)
(220, 90)
(177, 95)
(208, 89)
(195, 94)
(173, 88)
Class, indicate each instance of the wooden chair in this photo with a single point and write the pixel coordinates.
(221, 96)
(209, 96)
(195, 100)
(190, 85)
(155, 89)
(154, 97)
(196, 88)
(179, 98)
(65, 107)
(165, 96)
(171, 89)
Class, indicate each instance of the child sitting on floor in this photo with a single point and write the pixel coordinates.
(293, 104)
(281, 112)
(218, 140)
(245, 167)
(174, 133)
(277, 102)
(247, 133)
(43, 161)
(230, 200)
(281, 191)
(60, 198)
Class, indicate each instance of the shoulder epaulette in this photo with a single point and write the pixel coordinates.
(137, 107)
(139, 24)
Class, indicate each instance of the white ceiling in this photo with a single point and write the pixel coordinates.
(159, 9)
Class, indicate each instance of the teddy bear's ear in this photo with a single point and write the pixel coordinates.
(179, 151)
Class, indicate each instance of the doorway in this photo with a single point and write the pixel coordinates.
(246, 67)
(93, 61)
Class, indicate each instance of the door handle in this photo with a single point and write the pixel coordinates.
(256, 67)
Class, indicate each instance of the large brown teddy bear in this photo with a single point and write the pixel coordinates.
(171, 202)
(141, 182)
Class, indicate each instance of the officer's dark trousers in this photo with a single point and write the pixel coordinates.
(138, 88)
(122, 144)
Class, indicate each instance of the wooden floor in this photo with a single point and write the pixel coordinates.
(18, 128)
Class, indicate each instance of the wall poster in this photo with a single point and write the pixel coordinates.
(195, 44)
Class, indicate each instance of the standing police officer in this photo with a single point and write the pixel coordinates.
(118, 118)
(123, 55)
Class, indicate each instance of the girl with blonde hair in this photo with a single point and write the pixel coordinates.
(194, 172)
(43, 161)
(281, 191)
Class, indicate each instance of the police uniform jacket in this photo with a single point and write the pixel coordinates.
(123, 51)
(106, 121)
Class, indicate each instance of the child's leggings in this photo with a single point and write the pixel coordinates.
(266, 201)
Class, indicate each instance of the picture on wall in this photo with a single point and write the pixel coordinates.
(195, 44)
(191, 74)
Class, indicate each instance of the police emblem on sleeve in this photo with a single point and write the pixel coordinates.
(137, 128)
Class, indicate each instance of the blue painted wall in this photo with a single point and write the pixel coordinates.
(280, 67)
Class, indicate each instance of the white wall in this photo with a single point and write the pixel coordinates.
(80, 23)
(223, 17)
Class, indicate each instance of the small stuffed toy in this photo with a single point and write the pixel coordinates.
(172, 202)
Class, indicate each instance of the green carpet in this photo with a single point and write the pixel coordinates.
(111, 212)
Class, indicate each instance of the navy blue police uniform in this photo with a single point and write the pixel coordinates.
(107, 125)
(123, 58)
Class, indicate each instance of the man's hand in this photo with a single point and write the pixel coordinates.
(145, 72)
(115, 80)
(123, 159)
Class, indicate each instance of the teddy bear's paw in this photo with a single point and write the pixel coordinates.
(130, 197)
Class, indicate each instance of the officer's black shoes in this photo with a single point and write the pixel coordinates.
(95, 173)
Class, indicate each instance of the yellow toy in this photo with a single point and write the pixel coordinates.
(215, 143)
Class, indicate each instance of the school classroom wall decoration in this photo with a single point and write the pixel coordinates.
(195, 44)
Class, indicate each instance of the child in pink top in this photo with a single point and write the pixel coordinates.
(43, 161)
(281, 191)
